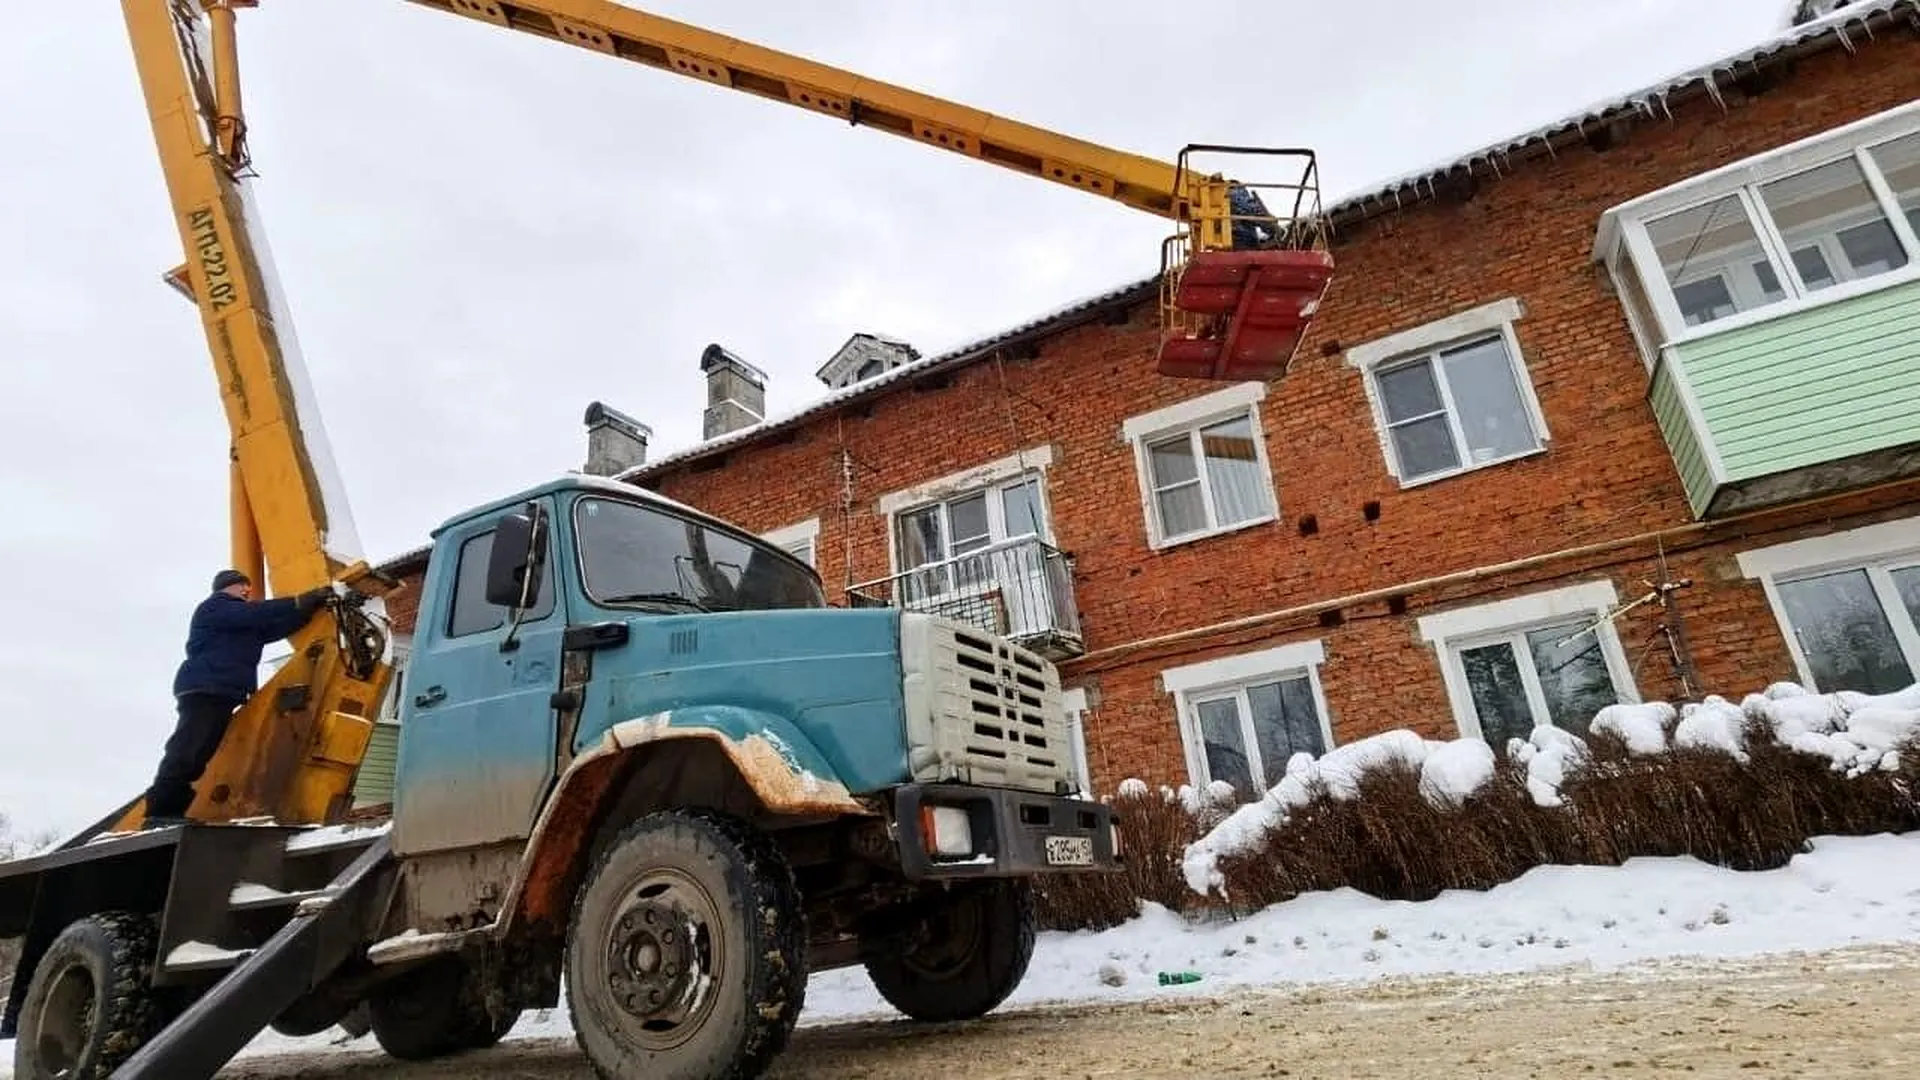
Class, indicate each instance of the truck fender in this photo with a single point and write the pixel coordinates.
(783, 768)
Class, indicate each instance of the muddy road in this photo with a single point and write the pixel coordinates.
(1845, 1013)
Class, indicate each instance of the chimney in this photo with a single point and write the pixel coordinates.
(616, 442)
(736, 392)
(863, 356)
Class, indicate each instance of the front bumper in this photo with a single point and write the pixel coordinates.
(1013, 833)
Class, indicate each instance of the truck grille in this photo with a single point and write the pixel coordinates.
(995, 713)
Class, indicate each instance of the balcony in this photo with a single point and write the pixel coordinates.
(1777, 304)
(1021, 589)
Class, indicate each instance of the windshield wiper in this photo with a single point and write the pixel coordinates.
(681, 599)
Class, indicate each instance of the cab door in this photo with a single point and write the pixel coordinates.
(477, 743)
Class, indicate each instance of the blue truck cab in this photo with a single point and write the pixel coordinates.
(611, 696)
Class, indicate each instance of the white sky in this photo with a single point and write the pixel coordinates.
(481, 232)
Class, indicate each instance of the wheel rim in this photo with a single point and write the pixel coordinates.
(665, 958)
(60, 1035)
(944, 942)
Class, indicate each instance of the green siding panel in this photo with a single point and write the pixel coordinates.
(1809, 388)
(1688, 455)
(374, 783)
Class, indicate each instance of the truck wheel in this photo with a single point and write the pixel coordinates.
(963, 959)
(91, 1003)
(432, 1011)
(686, 959)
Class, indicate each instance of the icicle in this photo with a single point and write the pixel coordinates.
(1713, 90)
(1840, 32)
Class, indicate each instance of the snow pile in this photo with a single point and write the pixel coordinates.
(1856, 732)
(1454, 771)
(1713, 724)
(1549, 754)
(1642, 727)
(1337, 773)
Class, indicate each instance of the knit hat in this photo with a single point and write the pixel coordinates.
(225, 578)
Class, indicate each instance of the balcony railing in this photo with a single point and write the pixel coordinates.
(1020, 588)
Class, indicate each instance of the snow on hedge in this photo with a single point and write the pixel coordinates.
(1856, 732)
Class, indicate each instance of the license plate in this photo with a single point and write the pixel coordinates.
(1070, 851)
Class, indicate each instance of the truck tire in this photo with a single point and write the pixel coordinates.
(963, 959)
(434, 1010)
(676, 899)
(90, 1003)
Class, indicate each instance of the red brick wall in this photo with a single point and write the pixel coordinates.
(1607, 473)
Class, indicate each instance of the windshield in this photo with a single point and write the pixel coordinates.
(632, 554)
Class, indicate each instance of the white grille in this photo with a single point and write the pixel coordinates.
(981, 709)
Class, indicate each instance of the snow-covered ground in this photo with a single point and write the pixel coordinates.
(1846, 891)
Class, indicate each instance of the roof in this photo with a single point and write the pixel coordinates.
(1079, 311)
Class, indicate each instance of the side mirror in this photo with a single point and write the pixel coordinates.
(519, 555)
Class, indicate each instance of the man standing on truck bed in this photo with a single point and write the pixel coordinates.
(221, 671)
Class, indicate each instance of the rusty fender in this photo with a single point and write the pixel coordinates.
(542, 893)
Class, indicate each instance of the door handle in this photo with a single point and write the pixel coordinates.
(434, 695)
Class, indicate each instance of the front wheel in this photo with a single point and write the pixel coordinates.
(962, 958)
(687, 955)
(90, 1004)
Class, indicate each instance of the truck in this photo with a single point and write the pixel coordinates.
(643, 760)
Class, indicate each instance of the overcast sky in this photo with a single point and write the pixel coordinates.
(480, 232)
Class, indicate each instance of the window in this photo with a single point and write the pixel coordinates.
(646, 556)
(1243, 718)
(1848, 605)
(1203, 465)
(1831, 216)
(936, 534)
(800, 541)
(1452, 395)
(953, 516)
(1543, 659)
(470, 613)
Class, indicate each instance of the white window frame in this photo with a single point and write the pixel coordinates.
(1623, 245)
(1227, 403)
(1878, 549)
(1230, 676)
(804, 533)
(1030, 464)
(1073, 702)
(1451, 632)
(1426, 342)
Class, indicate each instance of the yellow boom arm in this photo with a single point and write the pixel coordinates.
(1143, 183)
(293, 750)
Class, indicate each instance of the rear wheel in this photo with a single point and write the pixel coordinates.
(687, 955)
(962, 958)
(90, 1004)
(434, 1010)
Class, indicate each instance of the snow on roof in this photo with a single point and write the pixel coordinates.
(1822, 33)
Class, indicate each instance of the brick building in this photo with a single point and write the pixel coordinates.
(1663, 357)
